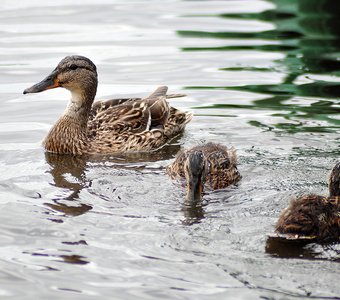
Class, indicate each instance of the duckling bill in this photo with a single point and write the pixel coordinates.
(104, 127)
(211, 165)
(313, 216)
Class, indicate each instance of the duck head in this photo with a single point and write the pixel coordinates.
(76, 73)
(334, 181)
(195, 168)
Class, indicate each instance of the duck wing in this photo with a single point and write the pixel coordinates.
(105, 104)
(159, 107)
(129, 115)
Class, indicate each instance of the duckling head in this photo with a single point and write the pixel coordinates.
(334, 181)
(76, 73)
(195, 168)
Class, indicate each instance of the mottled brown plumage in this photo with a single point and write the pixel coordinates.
(211, 165)
(118, 125)
(313, 215)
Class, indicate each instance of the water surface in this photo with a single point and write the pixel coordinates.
(261, 76)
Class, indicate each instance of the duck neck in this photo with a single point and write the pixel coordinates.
(69, 134)
(79, 107)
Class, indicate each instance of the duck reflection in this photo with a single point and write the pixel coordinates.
(284, 248)
(193, 212)
(68, 172)
(129, 160)
(74, 259)
(70, 259)
(64, 166)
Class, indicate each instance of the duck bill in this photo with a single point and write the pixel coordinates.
(50, 82)
(195, 189)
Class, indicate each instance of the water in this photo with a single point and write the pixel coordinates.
(261, 76)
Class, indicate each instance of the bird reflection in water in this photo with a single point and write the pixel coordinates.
(70, 258)
(74, 259)
(306, 248)
(193, 212)
(68, 172)
(283, 248)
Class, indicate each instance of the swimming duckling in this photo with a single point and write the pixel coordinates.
(211, 165)
(313, 215)
(121, 125)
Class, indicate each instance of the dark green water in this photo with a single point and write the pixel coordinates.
(261, 76)
(306, 33)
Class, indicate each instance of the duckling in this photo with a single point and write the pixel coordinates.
(120, 125)
(210, 165)
(313, 216)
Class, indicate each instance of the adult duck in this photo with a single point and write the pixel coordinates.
(211, 165)
(313, 216)
(119, 125)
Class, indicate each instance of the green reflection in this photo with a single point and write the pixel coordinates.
(307, 33)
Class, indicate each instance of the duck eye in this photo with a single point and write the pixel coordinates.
(73, 67)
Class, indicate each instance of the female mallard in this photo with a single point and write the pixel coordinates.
(211, 165)
(313, 216)
(120, 125)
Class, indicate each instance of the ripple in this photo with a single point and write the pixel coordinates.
(259, 78)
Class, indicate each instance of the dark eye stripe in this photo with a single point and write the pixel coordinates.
(75, 67)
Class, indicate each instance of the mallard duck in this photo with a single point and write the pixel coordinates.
(210, 165)
(120, 125)
(313, 216)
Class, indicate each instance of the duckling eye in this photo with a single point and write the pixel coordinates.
(73, 67)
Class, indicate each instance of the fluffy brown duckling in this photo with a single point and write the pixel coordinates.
(119, 125)
(314, 216)
(210, 165)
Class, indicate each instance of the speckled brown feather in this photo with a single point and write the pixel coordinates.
(67, 128)
(334, 181)
(310, 215)
(139, 125)
(134, 116)
(117, 125)
(221, 165)
(314, 215)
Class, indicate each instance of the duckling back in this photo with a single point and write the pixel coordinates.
(312, 216)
